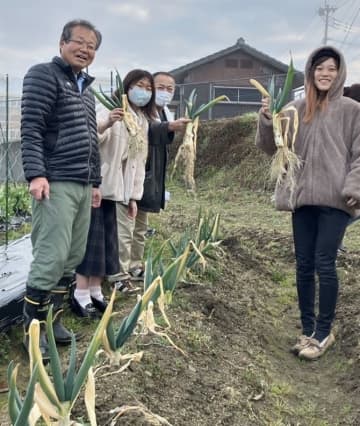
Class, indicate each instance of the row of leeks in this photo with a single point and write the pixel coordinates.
(159, 285)
(285, 162)
(168, 277)
(137, 140)
(186, 252)
(186, 153)
(53, 400)
(205, 240)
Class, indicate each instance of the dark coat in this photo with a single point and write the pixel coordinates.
(58, 125)
(154, 185)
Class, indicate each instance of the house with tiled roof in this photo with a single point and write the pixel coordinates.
(227, 72)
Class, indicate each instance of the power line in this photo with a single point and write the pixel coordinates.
(307, 29)
(348, 43)
(352, 22)
(343, 3)
(326, 11)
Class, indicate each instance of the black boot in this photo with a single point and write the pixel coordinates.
(61, 333)
(36, 306)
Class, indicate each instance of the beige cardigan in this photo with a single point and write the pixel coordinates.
(329, 147)
(122, 176)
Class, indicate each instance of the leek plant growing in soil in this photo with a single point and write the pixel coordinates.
(203, 243)
(55, 400)
(22, 412)
(185, 254)
(167, 278)
(114, 340)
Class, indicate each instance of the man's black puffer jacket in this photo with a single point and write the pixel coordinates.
(58, 125)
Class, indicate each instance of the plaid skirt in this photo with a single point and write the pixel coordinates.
(102, 249)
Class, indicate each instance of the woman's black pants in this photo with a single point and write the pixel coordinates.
(317, 233)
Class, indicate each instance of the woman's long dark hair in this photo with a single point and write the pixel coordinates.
(131, 78)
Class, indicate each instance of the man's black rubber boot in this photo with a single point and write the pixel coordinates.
(36, 306)
(61, 333)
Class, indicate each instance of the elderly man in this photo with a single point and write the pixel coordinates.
(61, 163)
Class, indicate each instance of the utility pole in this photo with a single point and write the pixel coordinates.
(326, 11)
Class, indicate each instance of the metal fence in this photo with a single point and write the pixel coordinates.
(11, 170)
(10, 114)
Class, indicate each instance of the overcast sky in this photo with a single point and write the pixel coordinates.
(166, 34)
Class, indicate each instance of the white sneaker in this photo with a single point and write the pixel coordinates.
(316, 349)
(302, 342)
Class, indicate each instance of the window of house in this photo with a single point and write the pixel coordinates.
(231, 63)
(176, 93)
(239, 95)
(246, 63)
(231, 92)
(249, 94)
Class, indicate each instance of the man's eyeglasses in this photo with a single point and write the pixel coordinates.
(90, 47)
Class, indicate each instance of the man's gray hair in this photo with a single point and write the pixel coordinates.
(67, 30)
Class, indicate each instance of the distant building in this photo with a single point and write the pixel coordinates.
(227, 72)
(299, 92)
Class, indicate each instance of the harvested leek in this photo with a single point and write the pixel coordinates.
(137, 140)
(187, 150)
(285, 162)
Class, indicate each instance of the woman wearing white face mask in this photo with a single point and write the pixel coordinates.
(123, 172)
(161, 134)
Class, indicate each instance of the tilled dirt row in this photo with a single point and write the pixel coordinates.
(236, 334)
(238, 370)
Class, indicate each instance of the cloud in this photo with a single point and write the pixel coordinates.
(130, 10)
(168, 34)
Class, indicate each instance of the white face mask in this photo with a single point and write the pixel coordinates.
(163, 97)
(139, 96)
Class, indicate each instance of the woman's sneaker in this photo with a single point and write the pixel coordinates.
(137, 274)
(316, 349)
(126, 286)
(302, 342)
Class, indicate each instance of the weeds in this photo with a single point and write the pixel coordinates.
(19, 203)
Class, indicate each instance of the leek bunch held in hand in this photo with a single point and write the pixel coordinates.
(187, 150)
(119, 100)
(285, 162)
(114, 101)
